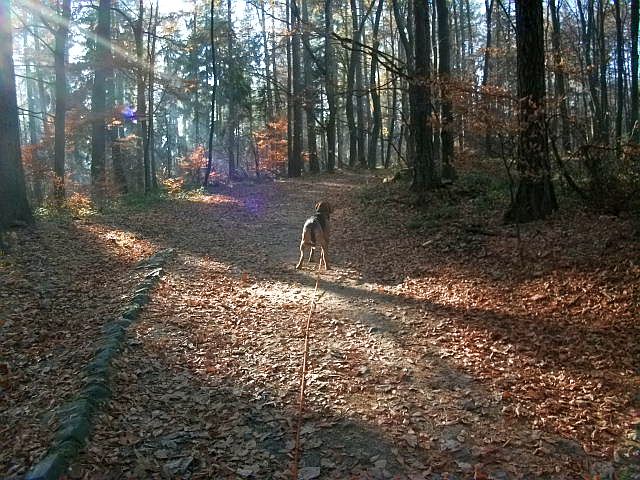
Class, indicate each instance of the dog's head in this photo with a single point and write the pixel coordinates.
(324, 208)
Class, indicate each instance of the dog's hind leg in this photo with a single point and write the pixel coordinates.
(323, 256)
(299, 265)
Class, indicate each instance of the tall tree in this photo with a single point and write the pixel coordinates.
(61, 100)
(354, 65)
(619, 79)
(98, 98)
(633, 114)
(425, 175)
(374, 92)
(231, 104)
(214, 75)
(444, 72)
(14, 206)
(295, 159)
(486, 64)
(559, 76)
(151, 62)
(309, 92)
(535, 197)
(330, 85)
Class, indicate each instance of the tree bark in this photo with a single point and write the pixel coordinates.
(633, 113)
(354, 65)
(374, 92)
(143, 168)
(535, 197)
(61, 102)
(151, 56)
(231, 123)
(98, 99)
(444, 70)
(330, 85)
(619, 79)
(309, 95)
(14, 206)
(559, 84)
(295, 160)
(425, 175)
(214, 73)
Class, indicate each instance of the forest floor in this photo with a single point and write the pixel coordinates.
(438, 349)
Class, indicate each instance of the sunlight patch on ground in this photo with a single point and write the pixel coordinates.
(120, 243)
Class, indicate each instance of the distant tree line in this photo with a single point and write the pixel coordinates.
(119, 95)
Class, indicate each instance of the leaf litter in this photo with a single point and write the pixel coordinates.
(435, 352)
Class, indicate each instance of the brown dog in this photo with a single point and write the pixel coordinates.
(315, 234)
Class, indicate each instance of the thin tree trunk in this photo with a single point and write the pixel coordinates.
(619, 79)
(309, 95)
(195, 73)
(142, 166)
(214, 74)
(61, 101)
(560, 89)
(98, 99)
(330, 85)
(360, 96)
(633, 113)
(267, 62)
(295, 161)
(374, 92)
(151, 49)
(604, 88)
(486, 65)
(354, 64)
(231, 124)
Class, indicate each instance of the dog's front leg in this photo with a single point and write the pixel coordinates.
(311, 250)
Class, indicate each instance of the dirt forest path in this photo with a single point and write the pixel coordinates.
(207, 384)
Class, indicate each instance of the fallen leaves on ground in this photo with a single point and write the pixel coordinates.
(434, 350)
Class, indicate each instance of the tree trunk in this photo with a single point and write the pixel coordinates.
(214, 74)
(151, 49)
(295, 160)
(330, 85)
(444, 70)
(633, 113)
(354, 64)
(604, 89)
(195, 72)
(486, 65)
(619, 79)
(98, 99)
(374, 92)
(61, 102)
(267, 63)
(535, 197)
(309, 95)
(14, 206)
(360, 96)
(560, 88)
(142, 168)
(425, 175)
(231, 123)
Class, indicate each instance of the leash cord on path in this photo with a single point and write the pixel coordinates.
(303, 378)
